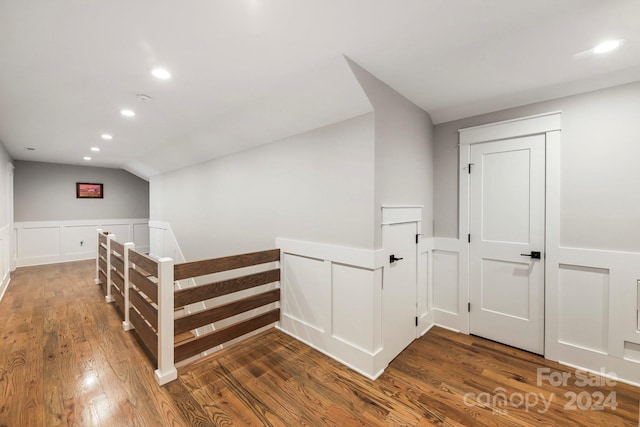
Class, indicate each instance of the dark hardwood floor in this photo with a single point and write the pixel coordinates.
(65, 360)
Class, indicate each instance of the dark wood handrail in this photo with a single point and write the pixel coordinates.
(188, 270)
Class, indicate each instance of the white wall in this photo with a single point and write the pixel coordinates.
(5, 218)
(593, 248)
(316, 186)
(47, 192)
(403, 151)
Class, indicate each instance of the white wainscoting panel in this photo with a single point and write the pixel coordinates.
(47, 242)
(424, 292)
(163, 244)
(445, 281)
(141, 235)
(76, 240)
(331, 300)
(591, 311)
(38, 243)
(631, 352)
(162, 241)
(5, 259)
(583, 304)
(352, 303)
(306, 295)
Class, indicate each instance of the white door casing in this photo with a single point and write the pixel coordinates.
(549, 125)
(506, 281)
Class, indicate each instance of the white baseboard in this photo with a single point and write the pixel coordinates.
(372, 377)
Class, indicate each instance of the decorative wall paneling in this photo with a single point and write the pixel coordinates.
(47, 242)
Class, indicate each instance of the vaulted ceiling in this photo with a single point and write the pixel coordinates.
(247, 72)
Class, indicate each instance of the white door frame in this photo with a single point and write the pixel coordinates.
(548, 124)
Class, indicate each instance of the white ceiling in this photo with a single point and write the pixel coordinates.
(247, 72)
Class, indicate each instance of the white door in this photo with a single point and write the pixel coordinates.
(506, 278)
(399, 288)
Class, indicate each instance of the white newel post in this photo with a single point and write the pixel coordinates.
(108, 297)
(126, 324)
(166, 371)
(97, 280)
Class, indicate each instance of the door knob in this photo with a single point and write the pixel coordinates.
(533, 255)
(393, 259)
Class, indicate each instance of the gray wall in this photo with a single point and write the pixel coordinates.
(4, 168)
(47, 192)
(600, 177)
(316, 186)
(403, 151)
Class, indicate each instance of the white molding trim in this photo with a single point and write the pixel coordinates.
(5, 259)
(530, 125)
(607, 375)
(79, 223)
(363, 258)
(397, 214)
(334, 357)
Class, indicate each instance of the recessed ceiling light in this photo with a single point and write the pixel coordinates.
(607, 46)
(106, 136)
(87, 158)
(96, 149)
(161, 73)
(127, 113)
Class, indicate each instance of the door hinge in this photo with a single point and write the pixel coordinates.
(468, 238)
(470, 164)
(417, 238)
(468, 307)
(416, 320)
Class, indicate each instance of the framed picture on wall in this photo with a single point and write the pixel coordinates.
(85, 190)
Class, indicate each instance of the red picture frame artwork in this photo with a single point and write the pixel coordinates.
(85, 190)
